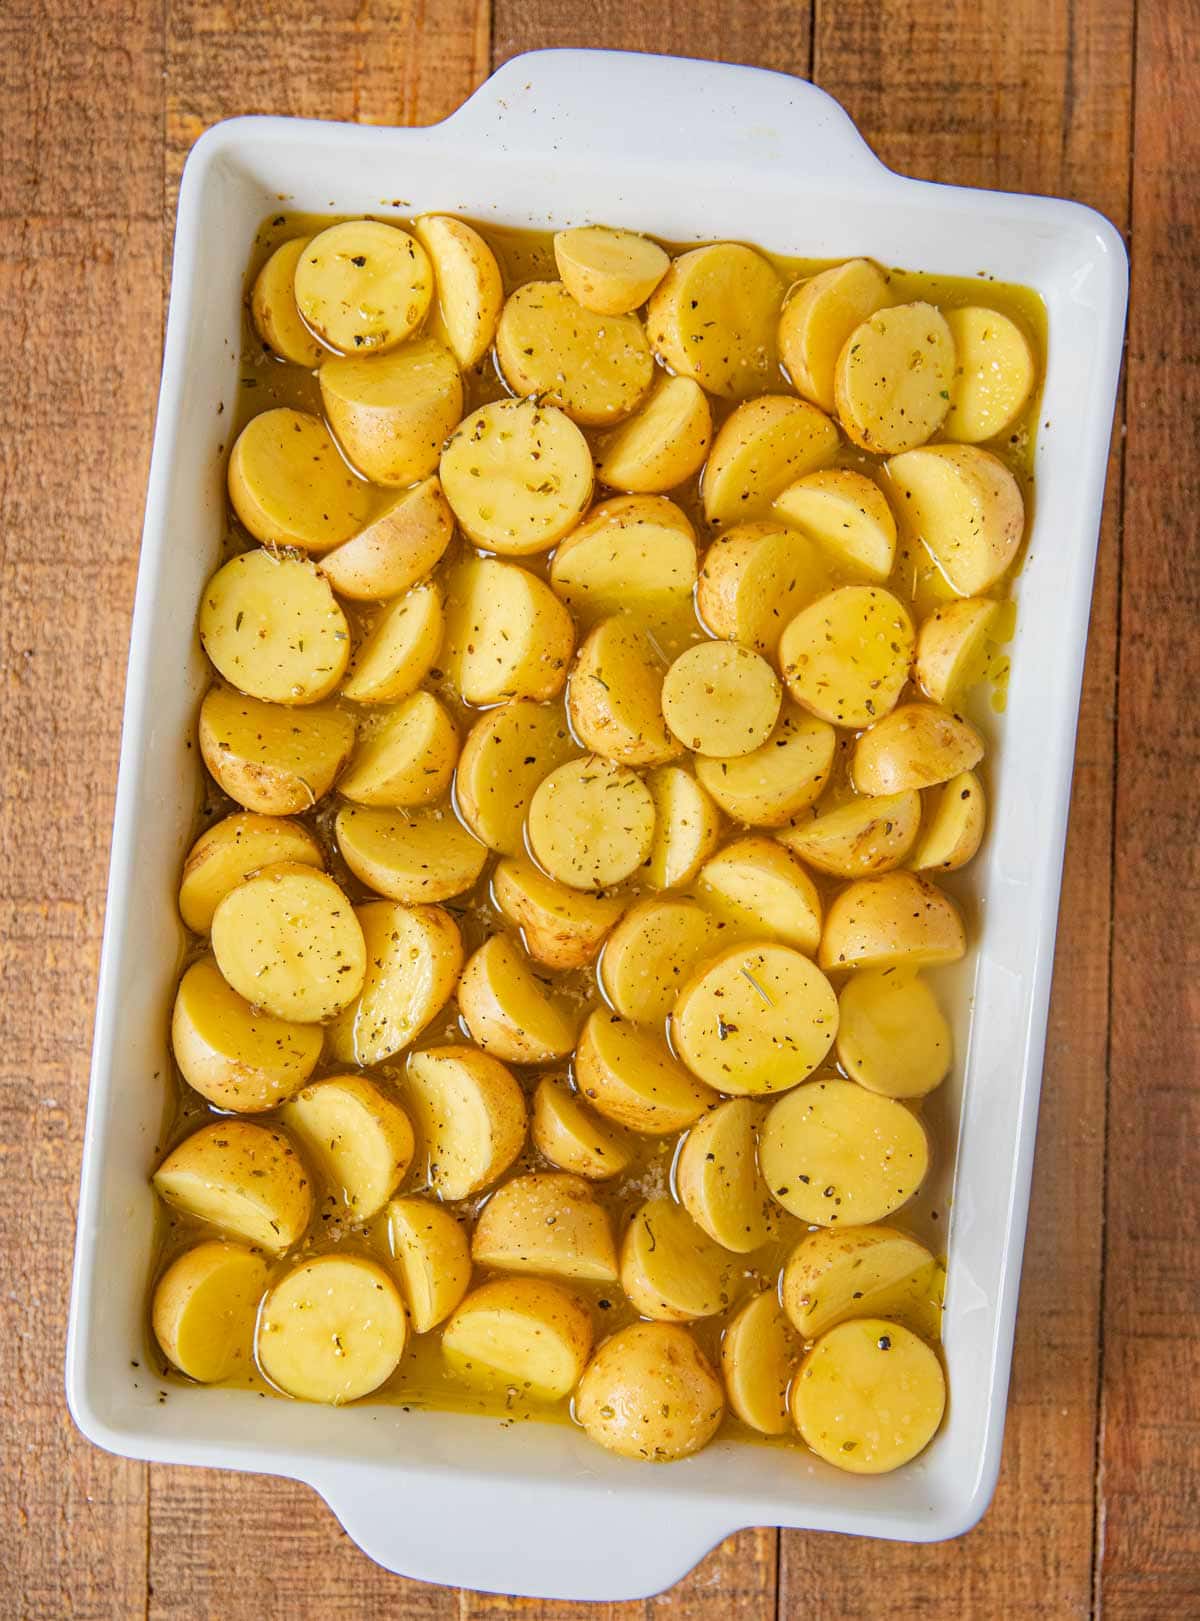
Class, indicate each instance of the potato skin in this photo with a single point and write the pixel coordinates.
(964, 505)
(546, 1221)
(898, 918)
(650, 1393)
(489, 1326)
(396, 550)
(561, 927)
(235, 1055)
(269, 758)
(392, 413)
(243, 1177)
(916, 746)
(471, 1116)
(228, 852)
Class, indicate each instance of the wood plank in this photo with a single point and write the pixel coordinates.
(1150, 1443)
(80, 203)
(773, 34)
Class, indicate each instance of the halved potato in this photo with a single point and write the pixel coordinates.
(400, 650)
(898, 919)
(833, 1274)
(470, 289)
(650, 953)
(414, 858)
(273, 308)
(506, 754)
(471, 1115)
(561, 927)
(649, 1393)
(233, 1054)
(611, 272)
(757, 1018)
(950, 645)
(273, 628)
(965, 507)
(363, 286)
(332, 1329)
(433, 1257)
(953, 828)
(522, 1332)
(763, 446)
(834, 1154)
(414, 955)
(596, 368)
(486, 475)
(568, 1134)
(634, 553)
(769, 786)
(755, 579)
(205, 1305)
(268, 757)
(396, 549)
(229, 852)
(758, 887)
(662, 444)
(687, 826)
(507, 634)
(591, 823)
(756, 1359)
(632, 1079)
(509, 1009)
(869, 834)
(893, 1037)
(714, 316)
(547, 1221)
(721, 699)
(916, 746)
(847, 514)
(671, 1271)
(869, 1396)
(359, 1138)
(893, 376)
(818, 317)
(716, 1173)
(242, 1177)
(289, 485)
(614, 695)
(408, 760)
(391, 415)
(993, 375)
(846, 656)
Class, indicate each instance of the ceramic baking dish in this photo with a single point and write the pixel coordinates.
(685, 150)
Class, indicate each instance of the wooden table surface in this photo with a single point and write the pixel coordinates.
(1098, 1509)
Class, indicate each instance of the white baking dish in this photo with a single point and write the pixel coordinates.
(686, 150)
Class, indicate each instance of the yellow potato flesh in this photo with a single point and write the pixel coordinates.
(950, 646)
(631, 1078)
(508, 1010)
(965, 507)
(560, 927)
(759, 888)
(273, 308)
(546, 1222)
(273, 628)
(687, 826)
(400, 650)
(898, 919)
(847, 514)
(359, 1138)
(869, 834)
(596, 368)
(231, 851)
(916, 746)
(396, 550)
(414, 955)
(506, 754)
(591, 823)
(233, 1054)
(410, 857)
(994, 374)
(485, 472)
(818, 318)
(363, 286)
(662, 444)
(571, 1138)
(893, 376)
(409, 760)
(755, 579)
(470, 288)
(392, 415)
(845, 657)
(650, 1394)
(893, 1037)
(332, 1330)
(769, 786)
(614, 696)
(716, 1173)
(204, 1309)
(834, 1274)
(953, 827)
(756, 1359)
(611, 272)
(650, 953)
(523, 1332)
(289, 485)
(507, 634)
(721, 699)
(471, 1116)
(432, 1257)
(670, 1270)
(268, 757)
(869, 1396)
(242, 1177)
(713, 318)
(762, 447)
(633, 553)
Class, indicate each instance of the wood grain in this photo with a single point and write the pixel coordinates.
(773, 34)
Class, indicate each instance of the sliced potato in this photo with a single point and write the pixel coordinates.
(561, 927)
(756, 1359)
(649, 1393)
(268, 757)
(632, 1079)
(205, 1305)
(414, 858)
(363, 286)
(893, 1037)
(229, 852)
(471, 1116)
(898, 919)
(596, 368)
(950, 645)
(756, 577)
(993, 376)
(485, 471)
(507, 634)
(833, 1274)
(414, 955)
(757, 1018)
(763, 446)
(635, 553)
(289, 485)
(332, 1329)
(610, 272)
(847, 514)
(869, 834)
(721, 699)
(400, 650)
(893, 377)
(614, 696)
(470, 288)
(568, 1134)
(509, 1009)
(952, 830)
(242, 1177)
(409, 760)
(713, 318)
(546, 1222)
(506, 754)
(818, 317)
(273, 308)
(591, 823)
(916, 746)
(846, 656)
(769, 786)
(869, 1396)
(662, 444)
(359, 1138)
(233, 1054)
(716, 1173)
(651, 952)
(392, 415)
(757, 886)
(522, 1332)
(671, 1271)
(433, 1257)
(965, 507)
(687, 826)
(396, 550)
